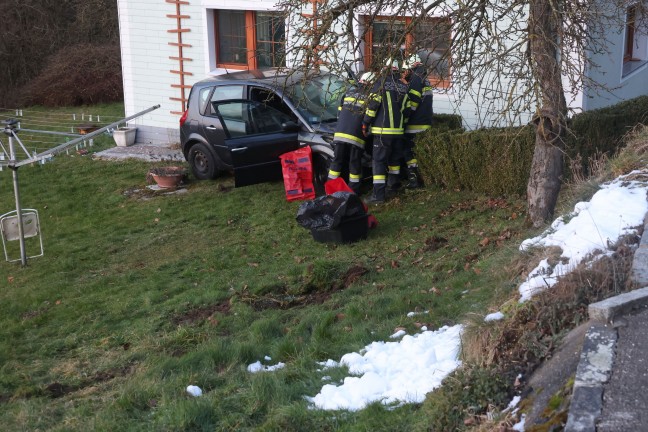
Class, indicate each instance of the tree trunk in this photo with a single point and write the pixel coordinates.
(545, 26)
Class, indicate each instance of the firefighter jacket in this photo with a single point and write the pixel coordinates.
(420, 102)
(387, 106)
(350, 115)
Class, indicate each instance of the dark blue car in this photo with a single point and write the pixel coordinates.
(242, 122)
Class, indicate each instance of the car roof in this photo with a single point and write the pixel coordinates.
(269, 76)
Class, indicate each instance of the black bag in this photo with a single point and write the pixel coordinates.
(329, 211)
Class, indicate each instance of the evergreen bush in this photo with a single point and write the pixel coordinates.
(497, 161)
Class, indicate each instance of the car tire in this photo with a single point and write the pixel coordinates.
(321, 165)
(203, 162)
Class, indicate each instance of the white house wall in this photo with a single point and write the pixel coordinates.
(146, 65)
(610, 72)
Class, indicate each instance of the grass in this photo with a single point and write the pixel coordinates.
(140, 294)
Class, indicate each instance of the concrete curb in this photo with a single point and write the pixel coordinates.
(611, 308)
(599, 347)
(639, 271)
(594, 367)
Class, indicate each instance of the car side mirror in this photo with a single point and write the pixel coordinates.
(290, 126)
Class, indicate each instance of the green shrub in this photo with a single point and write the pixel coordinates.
(447, 122)
(494, 161)
(602, 131)
(497, 161)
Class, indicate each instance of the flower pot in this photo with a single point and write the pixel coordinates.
(87, 128)
(125, 136)
(167, 177)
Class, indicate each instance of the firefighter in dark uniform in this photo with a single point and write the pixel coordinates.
(348, 138)
(420, 116)
(384, 120)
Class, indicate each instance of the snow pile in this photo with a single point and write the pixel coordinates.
(615, 210)
(394, 372)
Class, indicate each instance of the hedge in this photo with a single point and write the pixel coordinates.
(493, 161)
(497, 161)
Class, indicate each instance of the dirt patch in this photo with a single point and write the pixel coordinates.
(531, 333)
(200, 314)
(108, 374)
(284, 300)
(434, 243)
(287, 300)
(34, 313)
(224, 187)
(352, 275)
(56, 389)
(148, 193)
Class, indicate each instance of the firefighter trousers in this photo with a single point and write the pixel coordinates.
(347, 155)
(387, 154)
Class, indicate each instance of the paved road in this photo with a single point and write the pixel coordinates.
(625, 396)
(611, 386)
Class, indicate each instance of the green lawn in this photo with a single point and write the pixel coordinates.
(140, 294)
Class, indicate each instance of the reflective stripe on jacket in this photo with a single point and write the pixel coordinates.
(350, 116)
(387, 106)
(421, 98)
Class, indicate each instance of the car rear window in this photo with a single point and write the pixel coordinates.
(220, 93)
(227, 92)
(204, 98)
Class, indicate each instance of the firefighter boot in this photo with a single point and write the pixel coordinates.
(393, 184)
(413, 178)
(378, 195)
(355, 187)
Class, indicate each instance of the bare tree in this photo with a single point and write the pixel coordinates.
(33, 30)
(515, 60)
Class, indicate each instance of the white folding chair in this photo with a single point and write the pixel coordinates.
(9, 225)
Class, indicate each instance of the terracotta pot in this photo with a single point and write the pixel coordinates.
(168, 177)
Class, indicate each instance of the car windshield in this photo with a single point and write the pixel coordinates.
(318, 98)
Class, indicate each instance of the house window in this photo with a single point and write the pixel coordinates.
(249, 39)
(635, 49)
(387, 35)
(631, 20)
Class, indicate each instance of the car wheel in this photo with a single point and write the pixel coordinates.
(202, 162)
(321, 165)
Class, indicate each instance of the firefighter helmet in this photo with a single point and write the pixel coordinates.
(392, 63)
(367, 77)
(413, 61)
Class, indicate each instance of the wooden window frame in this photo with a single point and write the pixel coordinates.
(630, 27)
(317, 60)
(409, 39)
(435, 80)
(273, 44)
(250, 42)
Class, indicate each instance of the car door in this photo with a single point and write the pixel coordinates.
(212, 127)
(257, 134)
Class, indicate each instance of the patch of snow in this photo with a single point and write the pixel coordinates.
(495, 316)
(617, 209)
(394, 372)
(258, 367)
(194, 391)
(398, 334)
